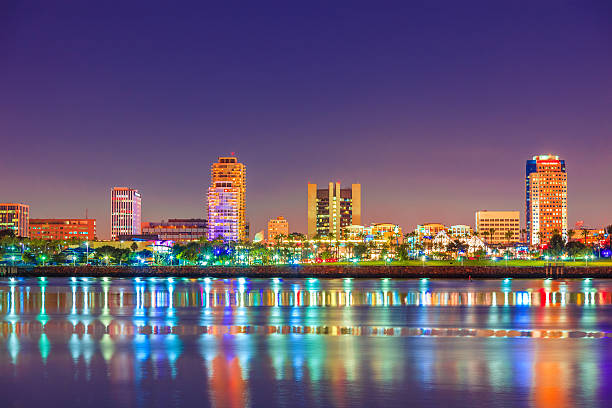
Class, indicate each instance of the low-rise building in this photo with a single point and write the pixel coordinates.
(15, 217)
(589, 236)
(176, 229)
(277, 226)
(460, 231)
(375, 231)
(429, 230)
(83, 229)
(498, 227)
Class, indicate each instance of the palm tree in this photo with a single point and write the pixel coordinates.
(492, 233)
(508, 235)
(585, 234)
(570, 234)
(485, 234)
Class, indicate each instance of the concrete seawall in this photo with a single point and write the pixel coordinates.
(318, 271)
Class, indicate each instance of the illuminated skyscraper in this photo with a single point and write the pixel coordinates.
(15, 217)
(546, 198)
(125, 212)
(227, 200)
(332, 209)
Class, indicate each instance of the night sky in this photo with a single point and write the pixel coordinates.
(433, 106)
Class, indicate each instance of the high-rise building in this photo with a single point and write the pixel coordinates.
(176, 229)
(277, 226)
(332, 209)
(16, 217)
(125, 212)
(227, 200)
(83, 229)
(505, 225)
(545, 198)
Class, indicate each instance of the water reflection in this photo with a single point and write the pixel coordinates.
(238, 342)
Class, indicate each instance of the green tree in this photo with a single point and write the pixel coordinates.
(360, 250)
(190, 253)
(556, 245)
(492, 233)
(7, 232)
(585, 234)
(576, 249)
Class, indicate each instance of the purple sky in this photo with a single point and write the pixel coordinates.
(433, 108)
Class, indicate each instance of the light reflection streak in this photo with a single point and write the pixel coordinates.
(297, 333)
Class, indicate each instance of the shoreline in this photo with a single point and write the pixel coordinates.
(314, 271)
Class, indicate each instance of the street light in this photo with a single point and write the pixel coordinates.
(506, 258)
(423, 259)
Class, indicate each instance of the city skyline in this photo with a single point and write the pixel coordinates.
(446, 221)
(403, 99)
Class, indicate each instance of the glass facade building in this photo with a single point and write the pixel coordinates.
(15, 217)
(125, 212)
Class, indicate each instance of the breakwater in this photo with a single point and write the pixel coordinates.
(316, 271)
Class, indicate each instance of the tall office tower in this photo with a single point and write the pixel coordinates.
(545, 198)
(332, 209)
(227, 200)
(277, 226)
(125, 212)
(16, 217)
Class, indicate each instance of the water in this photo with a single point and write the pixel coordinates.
(274, 342)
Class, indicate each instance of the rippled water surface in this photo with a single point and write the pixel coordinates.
(286, 342)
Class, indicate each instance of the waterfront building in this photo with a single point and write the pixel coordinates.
(460, 230)
(388, 232)
(176, 229)
(505, 225)
(472, 243)
(375, 232)
(277, 226)
(429, 230)
(545, 198)
(227, 200)
(589, 236)
(332, 209)
(16, 217)
(83, 229)
(125, 212)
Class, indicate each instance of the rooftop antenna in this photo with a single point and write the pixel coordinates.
(86, 216)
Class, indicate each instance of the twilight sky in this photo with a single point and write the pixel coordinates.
(432, 106)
